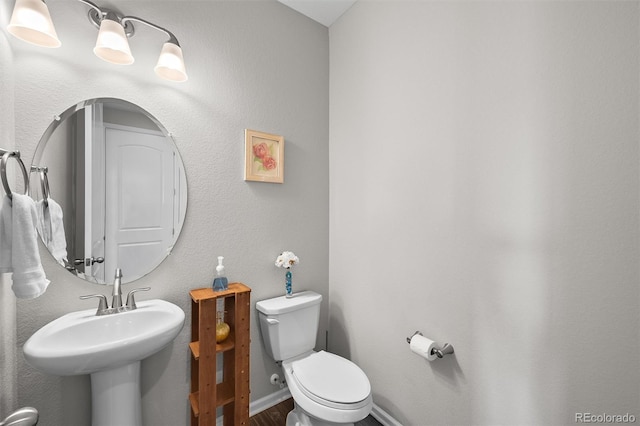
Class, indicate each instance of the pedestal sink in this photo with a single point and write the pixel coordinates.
(109, 348)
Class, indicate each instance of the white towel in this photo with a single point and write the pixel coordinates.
(51, 229)
(29, 280)
(5, 236)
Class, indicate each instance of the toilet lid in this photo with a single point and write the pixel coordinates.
(332, 378)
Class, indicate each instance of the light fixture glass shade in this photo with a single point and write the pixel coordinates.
(31, 22)
(170, 64)
(112, 44)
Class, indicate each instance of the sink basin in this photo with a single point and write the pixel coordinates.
(110, 349)
(83, 343)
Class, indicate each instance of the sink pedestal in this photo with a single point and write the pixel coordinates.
(115, 396)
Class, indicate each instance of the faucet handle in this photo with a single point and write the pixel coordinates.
(131, 301)
(102, 304)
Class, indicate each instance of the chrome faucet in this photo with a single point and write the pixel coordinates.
(116, 299)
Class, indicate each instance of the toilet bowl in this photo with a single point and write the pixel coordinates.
(327, 389)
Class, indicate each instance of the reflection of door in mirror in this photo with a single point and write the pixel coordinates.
(139, 200)
(128, 193)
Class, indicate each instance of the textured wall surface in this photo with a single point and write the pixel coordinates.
(256, 65)
(8, 370)
(484, 190)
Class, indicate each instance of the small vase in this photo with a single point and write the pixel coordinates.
(288, 284)
(222, 329)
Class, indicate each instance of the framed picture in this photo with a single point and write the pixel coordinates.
(264, 157)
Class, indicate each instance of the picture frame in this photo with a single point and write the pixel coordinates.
(264, 157)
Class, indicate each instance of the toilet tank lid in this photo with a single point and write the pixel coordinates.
(283, 304)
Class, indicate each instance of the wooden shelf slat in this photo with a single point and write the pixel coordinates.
(224, 394)
(195, 349)
(208, 293)
(193, 399)
(227, 345)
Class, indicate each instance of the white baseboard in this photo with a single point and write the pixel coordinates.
(383, 417)
(275, 398)
(259, 405)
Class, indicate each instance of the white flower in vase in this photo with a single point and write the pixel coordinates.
(287, 260)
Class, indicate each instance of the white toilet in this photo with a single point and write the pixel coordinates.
(327, 389)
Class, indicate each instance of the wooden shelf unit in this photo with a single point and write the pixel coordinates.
(232, 393)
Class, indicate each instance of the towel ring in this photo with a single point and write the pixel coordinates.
(44, 184)
(3, 172)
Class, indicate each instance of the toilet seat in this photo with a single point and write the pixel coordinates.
(332, 381)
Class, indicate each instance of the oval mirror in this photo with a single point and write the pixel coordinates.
(111, 190)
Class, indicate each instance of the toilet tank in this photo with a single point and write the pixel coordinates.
(289, 325)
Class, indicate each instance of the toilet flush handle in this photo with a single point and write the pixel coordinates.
(272, 321)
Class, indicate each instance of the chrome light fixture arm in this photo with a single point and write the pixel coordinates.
(96, 15)
(127, 19)
(95, 7)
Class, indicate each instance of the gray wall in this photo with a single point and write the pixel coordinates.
(256, 65)
(484, 190)
(8, 353)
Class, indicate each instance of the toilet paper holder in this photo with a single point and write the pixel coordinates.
(447, 349)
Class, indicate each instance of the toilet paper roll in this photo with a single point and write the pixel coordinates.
(422, 346)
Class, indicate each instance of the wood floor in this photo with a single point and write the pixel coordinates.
(274, 416)
(277, 416)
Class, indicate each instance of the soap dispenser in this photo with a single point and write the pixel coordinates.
(220, 282)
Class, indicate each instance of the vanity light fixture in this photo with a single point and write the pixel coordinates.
(32, 23)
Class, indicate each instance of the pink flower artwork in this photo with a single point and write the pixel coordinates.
(263, 155)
